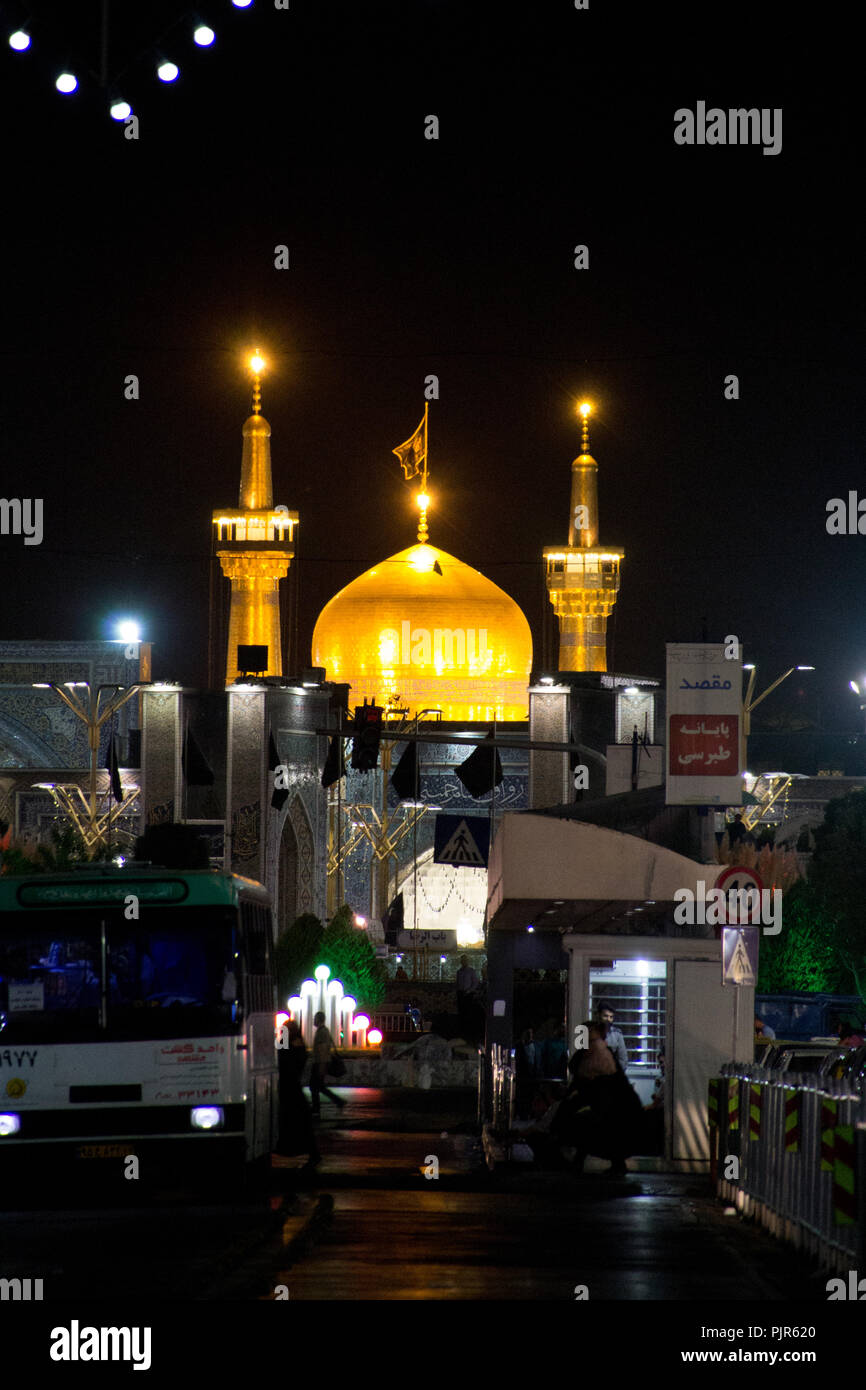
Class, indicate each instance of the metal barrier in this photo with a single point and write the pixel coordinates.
(789, 1150)
(503, 1086)
(392, 1022)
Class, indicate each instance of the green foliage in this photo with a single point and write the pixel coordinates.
(65, 849)
(346, 949)
(822, 945)
(298, 953)
(804, 956)
(838, 877)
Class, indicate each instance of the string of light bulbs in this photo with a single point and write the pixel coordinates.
(20, 40)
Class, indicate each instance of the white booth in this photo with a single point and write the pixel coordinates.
(611, 898)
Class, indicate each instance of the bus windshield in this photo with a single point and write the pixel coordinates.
(90, 975)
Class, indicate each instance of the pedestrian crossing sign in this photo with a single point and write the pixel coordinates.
(462, 840)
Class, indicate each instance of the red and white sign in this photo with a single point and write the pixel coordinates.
(705, 707)
(737, 879)
(704, 747)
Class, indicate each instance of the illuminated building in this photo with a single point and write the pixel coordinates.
(429, 628)
(583, 577)
(254, 545)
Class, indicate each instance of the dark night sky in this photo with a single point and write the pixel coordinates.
(453, 257)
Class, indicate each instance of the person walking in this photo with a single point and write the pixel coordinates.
(323, 1046)
(296, 1121)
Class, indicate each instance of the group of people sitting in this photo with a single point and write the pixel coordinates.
(598, 1112)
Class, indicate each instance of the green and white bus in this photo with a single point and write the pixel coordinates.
(137, 1017)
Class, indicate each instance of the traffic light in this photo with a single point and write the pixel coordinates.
(368, 732)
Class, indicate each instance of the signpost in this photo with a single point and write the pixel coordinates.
(462, 840)
(705, 706)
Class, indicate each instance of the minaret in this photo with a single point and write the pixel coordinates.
(583, 577)
(255, 545)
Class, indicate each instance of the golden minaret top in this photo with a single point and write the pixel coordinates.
(257, 489)
(582, 577)
(255, 546)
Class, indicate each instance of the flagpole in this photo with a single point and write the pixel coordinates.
(426, 408)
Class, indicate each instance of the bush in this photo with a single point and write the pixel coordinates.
(347, 951)
(298, 952)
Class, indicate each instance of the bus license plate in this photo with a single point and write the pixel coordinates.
(104, 1150)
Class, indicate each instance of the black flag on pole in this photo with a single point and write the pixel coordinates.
(481, 772)
(404, 778)
(114, 770)
(279, 795)
(196, 768)
(335, 763)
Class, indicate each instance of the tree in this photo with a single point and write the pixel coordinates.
(346, 949)
(837, 875)
(804, 956)
(298, 952)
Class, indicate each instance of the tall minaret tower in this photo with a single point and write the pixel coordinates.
(583, 577)
(255, 545)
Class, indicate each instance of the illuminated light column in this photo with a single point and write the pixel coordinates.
(255, 546)
(296, 1009)
(583, 577)
(309, 994)
(347, 1008)
(360, 1026)
(321, 973)
(332, 1008)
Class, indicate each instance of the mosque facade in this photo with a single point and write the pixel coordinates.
(440, 647)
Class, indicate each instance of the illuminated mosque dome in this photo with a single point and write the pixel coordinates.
(428, 628)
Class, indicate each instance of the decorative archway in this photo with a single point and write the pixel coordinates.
(295, 866)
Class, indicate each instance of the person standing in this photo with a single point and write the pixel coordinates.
(613, 1037)
(323, 1046)
(467, 989)
(296, 1121)
(736, 831)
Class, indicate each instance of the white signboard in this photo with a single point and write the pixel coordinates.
(26, 997)
(704, 724)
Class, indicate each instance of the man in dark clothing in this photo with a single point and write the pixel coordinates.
(602, 1113)
(736, 831)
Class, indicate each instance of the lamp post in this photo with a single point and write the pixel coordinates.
(93, 711)
(748, 705)
(857, 691)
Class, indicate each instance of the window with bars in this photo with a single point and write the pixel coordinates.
(639, 1013)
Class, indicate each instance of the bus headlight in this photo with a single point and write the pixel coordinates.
(206, 1117)
(9, 1124)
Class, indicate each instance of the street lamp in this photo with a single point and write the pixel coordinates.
(749, 704)
(857, 690)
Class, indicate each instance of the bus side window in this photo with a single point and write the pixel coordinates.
(256, 958)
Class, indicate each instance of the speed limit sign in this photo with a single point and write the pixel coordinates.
(738, 879)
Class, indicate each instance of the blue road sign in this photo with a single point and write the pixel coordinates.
(462, 840)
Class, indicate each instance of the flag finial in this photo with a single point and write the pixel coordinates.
(413, 460)
(585, 410)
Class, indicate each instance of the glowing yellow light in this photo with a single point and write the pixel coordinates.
(421, 559)
(257, 362)
(585, 409)
(423, 501)
(374, 1037)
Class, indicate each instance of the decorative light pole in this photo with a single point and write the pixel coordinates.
(94, 826)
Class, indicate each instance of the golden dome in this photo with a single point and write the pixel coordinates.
(427, 627)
